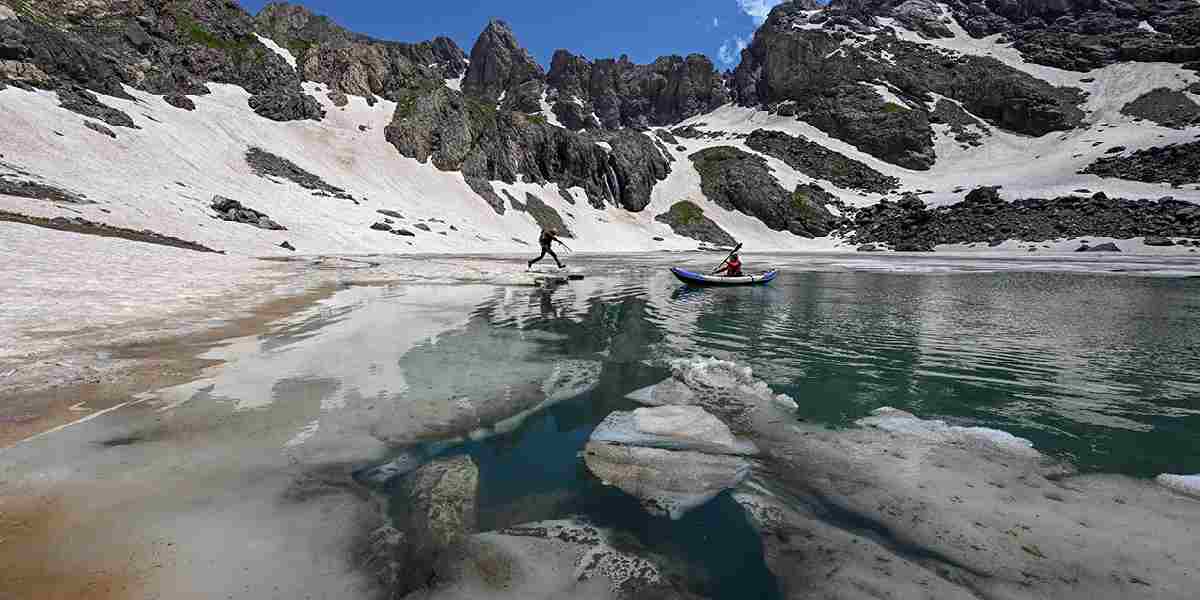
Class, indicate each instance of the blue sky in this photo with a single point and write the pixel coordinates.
(643, 29)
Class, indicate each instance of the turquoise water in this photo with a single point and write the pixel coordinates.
(1099, 369)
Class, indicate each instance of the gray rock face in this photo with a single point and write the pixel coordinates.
(1177, 164)
(813, 75)
(79, 100)
(545, 216)
(285, 104)
(688, 220)
(738, 180)
(985, 217)
(265, 164)
(98, 128)
(1105, 247)
(1169, 108)
(624, 94)
(231, 210)
(435, 519)
(356, 64)
(180, 101)
(499, 65)
(967, 130)
(458, 132)
(158, 47)
(817, 161)
(1078, 35)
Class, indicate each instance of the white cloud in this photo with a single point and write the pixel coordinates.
(758, 9)
(716, 22)
(731, 51)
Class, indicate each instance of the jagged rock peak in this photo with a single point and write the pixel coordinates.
(623, 94)
(499, 64)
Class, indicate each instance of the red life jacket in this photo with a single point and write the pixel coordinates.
(734, 269)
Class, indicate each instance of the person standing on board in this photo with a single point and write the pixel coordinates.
(548, 237)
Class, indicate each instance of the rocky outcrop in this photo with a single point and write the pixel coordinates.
(231, 210)
(968, 130)
(1176, 164)
(1167, 107)
(355, 64)
(817, 161)
(1078, 35)
(285, 104)
(688, 220)
(98, 128)
(162, 48)
(79, 100)
(265, 164)
(985, 217)
(180, 101)
(546, 217)
(623, 94)
(500, 66)
(460, 133)
(435, 516)
(738, 180)
(820, 76)
(1105, 247)
(39, 191)
(672, 458)
(84, 226)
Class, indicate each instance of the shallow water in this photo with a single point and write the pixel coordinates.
(1099, 368)
(1094, 360)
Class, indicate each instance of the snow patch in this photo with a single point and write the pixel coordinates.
(286, 54)
(888, 95)
(903, 423)
(1146, 26)
(303, 435)
(456, 83)
(1184, 484)
(606, 146)
(548, 111)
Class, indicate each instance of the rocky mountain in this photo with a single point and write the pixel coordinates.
(833, 113)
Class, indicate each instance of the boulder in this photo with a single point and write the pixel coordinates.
(286, 104)
(229, 209)
(1105, 247)
(737, 180)
(688, 220)
(180, 101)
(380, 226)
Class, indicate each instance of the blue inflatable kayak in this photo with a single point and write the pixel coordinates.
(691, 278)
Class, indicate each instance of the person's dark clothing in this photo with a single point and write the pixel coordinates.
(546, 239)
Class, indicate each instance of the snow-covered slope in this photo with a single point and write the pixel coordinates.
(163, 176)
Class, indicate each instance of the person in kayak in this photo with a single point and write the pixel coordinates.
(548, 237)
(732, 268)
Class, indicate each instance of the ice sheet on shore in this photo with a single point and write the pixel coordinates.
(1184, 484)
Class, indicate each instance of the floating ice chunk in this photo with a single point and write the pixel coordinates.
(667, 482)
(671, 428)
(904, 423)
(286, 54)
(1188, 485)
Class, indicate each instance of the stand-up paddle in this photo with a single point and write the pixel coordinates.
(731, 253)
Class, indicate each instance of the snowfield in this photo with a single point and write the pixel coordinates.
(163, 176)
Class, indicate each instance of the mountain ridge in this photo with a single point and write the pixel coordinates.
(877, 98)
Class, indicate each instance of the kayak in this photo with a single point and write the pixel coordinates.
(699, 279)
